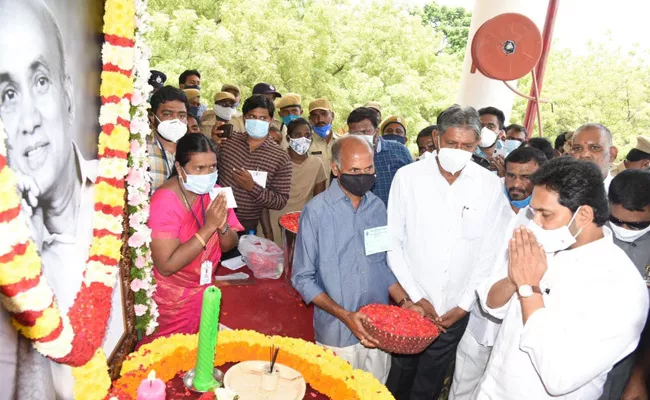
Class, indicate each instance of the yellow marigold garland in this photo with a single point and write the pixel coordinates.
(320, 367)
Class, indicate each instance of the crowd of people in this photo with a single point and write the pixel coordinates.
(532, 258)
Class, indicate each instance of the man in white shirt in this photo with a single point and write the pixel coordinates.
(476, 345)
(572, 302)
(594, 142)
(442, 213)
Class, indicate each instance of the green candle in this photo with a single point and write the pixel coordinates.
(208, 331)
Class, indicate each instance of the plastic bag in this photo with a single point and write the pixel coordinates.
(263, 256)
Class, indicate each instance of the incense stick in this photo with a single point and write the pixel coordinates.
(274, 356)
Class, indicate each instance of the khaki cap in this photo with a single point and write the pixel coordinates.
(392, 119)
(373, 104)
(288, 100)
(230, 88)
(223, 96)
(320, 104)
(191, 93)
(643, 144)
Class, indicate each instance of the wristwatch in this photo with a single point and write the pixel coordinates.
(527, 290)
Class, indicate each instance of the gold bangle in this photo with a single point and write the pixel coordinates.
(200, 239)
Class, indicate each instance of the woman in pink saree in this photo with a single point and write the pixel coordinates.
(189, 234)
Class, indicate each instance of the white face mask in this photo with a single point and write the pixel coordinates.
(370, 139)
(172, 129)
(300, 145)
(224, 113)
(488, 137)
(554, 240)
(627, 235)
(453, 160)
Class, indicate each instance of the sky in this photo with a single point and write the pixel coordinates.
(578, 21)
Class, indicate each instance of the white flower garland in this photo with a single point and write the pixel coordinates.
(139, 182)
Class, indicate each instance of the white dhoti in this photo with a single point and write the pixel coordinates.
(375, 361)
(471, 361)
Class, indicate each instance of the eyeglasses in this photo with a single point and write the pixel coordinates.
(637, 226)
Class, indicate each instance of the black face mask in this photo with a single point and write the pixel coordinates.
(359, 184)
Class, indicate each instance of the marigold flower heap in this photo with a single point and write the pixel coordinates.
(320, 367)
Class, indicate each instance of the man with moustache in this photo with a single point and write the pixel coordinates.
(321, 116)
(476, 344)
(57, 185)
(168, 120)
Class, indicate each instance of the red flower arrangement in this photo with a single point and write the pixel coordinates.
(399, 330)
(290, 221)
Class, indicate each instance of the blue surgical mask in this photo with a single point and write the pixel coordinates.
(236, 105)
(200, 184)
(287, 120)
(510, 145)
(518, 203)
(256, 128)
(395, 138)
(480, 152)
(323, 131)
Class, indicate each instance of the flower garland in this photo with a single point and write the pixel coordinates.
(320, 367)
(75, 339)
(138, 183)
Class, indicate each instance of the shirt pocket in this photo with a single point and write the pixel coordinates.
(472, 219)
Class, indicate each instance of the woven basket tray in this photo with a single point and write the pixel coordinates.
(398, 344)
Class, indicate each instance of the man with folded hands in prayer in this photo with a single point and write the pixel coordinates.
(340, 259)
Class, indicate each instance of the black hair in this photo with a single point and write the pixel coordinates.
(542, 144)
(631, 189)
(501, 117)
(517, 128)
(522, 155)
(190, 144)
(296, 123)
(359, 114)
(560, 140)
(428, 131)
(166, 94)
(186, 74)
(258, 101)
(577, 183)
(637, 155)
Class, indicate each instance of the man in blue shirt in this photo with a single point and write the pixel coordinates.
(389, 155)
(340, 258)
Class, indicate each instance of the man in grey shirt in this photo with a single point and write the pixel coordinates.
(340, 258)
(629, 202)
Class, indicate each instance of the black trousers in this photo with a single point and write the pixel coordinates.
(421, 376)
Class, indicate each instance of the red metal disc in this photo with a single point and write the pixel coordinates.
(507, 47)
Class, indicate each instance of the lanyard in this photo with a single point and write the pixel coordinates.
(165, 161)
(190, 207)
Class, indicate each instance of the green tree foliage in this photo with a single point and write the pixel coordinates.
(452, 22)
(606, 84)
(353, 52)
(348, 51)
